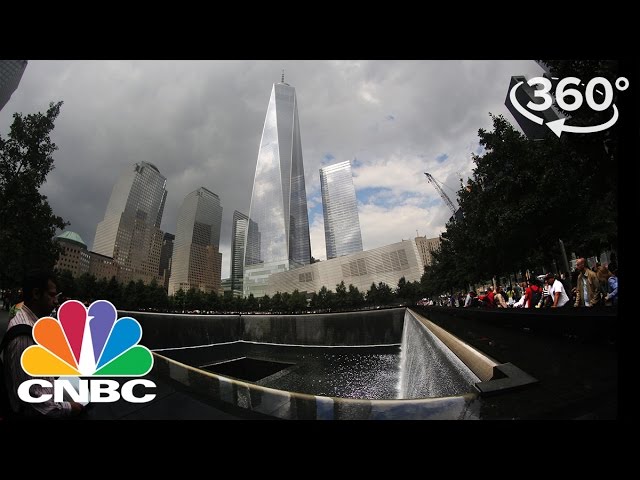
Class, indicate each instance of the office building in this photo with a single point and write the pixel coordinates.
(426, 247)
(238, 242)
(278, 231)
(166, 253)
(197, 261)
(341, 222)
(384, 264)
(74, 255)
(130, 231)
(10, 75)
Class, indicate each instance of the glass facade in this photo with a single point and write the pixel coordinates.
(278, 231)
(341, 222)
(10, 75)
(238, 241)
(196, 261)
(130, 231)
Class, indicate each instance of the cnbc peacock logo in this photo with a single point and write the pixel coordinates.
(91, 342)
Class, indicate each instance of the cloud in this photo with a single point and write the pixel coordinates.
(200, 123)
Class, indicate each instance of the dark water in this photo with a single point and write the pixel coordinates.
(344, 373)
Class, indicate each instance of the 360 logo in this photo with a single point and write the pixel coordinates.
(87, 342)
(598, 95)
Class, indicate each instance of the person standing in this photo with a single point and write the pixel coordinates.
(40, 297)
(588, 288)
(557, 292)
(612, 295)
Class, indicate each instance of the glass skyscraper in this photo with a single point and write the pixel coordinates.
(130, 231)
(238, 242)
(196, 261)
(278, 233)
(341, 222)
(10, 75)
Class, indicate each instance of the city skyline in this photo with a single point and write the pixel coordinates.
(200, 122)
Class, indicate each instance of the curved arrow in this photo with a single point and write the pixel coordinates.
(526, 113)
(558, 126)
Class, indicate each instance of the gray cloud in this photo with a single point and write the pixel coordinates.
(200, 123)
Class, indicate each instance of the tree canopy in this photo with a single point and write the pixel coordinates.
(525, 195)
(27, 222)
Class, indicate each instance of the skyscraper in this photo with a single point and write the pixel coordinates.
(10, 75)
(197, 261)
(341, 222)
(130, 231)
(238, 241)
(278, 233)
(165, 258)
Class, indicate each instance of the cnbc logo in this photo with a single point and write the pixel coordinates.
(91, 342)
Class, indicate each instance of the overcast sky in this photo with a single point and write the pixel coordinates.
(200, 123)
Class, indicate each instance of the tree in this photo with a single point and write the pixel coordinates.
(324, 298)
(27, 223)
(86, 287)
(372, 295)
(66, 284)
(265, 303)
(252, 303)
(277, 303)
(356, 298)
(114, 292)
(385, 295)
(341, 299)
(297, 302)
(525, 195)
(179, 298)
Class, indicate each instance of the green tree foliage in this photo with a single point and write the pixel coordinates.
(385, 294)
(114, 292)
(179, 300)
(297, 302)
(324, 299)
(372, 295)
(594, 159)
(66, 284)
(524, 195)
(408, 291)
(251, 303)
(341, 299)
(356, 297)
(27, 223)
(228, 303)
(277, 303)
(86, 287)
(265, 303)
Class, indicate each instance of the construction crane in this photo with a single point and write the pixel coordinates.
(444, 196)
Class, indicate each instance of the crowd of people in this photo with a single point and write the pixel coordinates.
(584, 288)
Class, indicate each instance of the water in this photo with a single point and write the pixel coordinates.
(428, 368)
(421, 367)
(346, 374)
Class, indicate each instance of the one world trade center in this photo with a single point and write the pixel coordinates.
(278, 227)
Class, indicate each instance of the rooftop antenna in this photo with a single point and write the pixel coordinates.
(283, 75)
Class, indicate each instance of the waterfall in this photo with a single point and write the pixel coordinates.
(427, 367)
